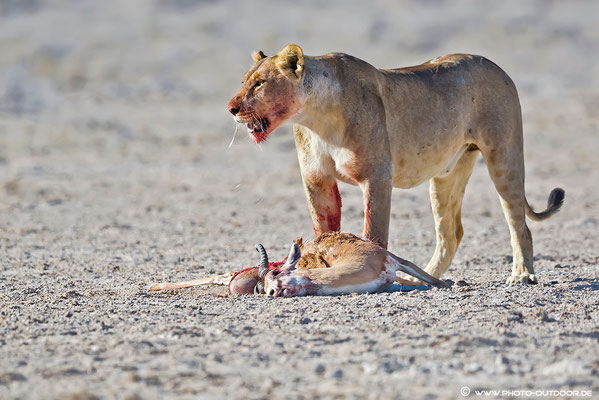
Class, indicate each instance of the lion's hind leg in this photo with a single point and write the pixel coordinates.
(506, 168)
(446, 194)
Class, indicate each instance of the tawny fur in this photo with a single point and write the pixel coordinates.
(341, 263)
(385, 128)
(354, 260)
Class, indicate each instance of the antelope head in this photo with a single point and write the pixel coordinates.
(294, 284)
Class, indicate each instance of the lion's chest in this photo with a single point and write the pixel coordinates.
(348, 167)
(333, 160)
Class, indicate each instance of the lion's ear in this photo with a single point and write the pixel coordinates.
(291, 58)
(258, 55)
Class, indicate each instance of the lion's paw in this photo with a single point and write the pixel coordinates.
(522, 278)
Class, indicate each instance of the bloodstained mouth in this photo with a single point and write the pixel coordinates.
(258, 130)
(259, 126)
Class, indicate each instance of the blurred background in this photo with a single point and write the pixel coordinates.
(113, 117)
(116, 171)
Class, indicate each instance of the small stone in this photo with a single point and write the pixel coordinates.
(320, 369)
(71, 294)
(267, 385)
(369, 368)
(503, 364)
(423, 370)
(338, 374)
(501, 359)
(473, 368)
(9, 377)
(551, 283)
(513, 316)
(543, 316)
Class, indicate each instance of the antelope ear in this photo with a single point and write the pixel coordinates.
(291, 58)
(294, 255)
(299, 241)
(258, 55)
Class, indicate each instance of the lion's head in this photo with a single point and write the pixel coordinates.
(270, 93)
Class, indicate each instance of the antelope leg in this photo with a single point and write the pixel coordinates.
(221, 280)
(412, 269)
(405, 282)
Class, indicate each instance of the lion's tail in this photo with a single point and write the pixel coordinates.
(555, 201)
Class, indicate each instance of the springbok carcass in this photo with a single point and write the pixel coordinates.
(333, 264)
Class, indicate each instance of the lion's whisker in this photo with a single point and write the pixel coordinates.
(234, 135)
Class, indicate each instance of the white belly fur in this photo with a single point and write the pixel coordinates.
(386, 278)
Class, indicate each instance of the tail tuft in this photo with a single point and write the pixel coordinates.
(556, 198)
(555, 201)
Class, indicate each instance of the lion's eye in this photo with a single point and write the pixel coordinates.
(258, 84)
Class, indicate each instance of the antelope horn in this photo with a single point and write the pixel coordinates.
(294, 256)
(263, 269)
(259, 288)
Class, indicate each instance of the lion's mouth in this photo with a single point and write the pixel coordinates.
(258, 126)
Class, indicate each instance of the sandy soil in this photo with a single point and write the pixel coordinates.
(115, 172)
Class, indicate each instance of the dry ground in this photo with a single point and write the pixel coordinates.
(115, 172)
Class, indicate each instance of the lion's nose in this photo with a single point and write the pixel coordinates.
(233, 108)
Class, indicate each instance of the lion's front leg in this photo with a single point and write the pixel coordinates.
(324, 202)
(376, 192)
(320, 185)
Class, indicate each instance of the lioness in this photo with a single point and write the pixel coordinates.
(385, 128)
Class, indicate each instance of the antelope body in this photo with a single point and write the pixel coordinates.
(334, 263)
